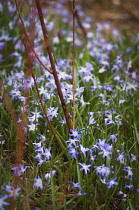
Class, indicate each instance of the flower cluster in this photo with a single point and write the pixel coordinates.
(43, 154)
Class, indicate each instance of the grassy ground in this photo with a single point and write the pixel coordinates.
(44, 163)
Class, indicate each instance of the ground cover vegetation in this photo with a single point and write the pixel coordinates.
(69, 114)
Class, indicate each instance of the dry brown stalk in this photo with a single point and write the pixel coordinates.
(21, 136)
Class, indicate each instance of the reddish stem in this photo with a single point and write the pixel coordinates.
(57, 82)
(78, 19)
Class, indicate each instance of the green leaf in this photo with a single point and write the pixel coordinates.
(131, 205)
(100, 207)
(136, 131)
(86, 56)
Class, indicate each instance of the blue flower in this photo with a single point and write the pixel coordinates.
(47, 153)
(38, 145)
(19, 169)
(128, 169)
(133, 157)
(112, 182)
(92, 120)
(103, 69)
(80, 193)
(49, 175)
(52, 112)
(88, 78)
(32, 127)
(84, 150)
(102, 170)
(85, 167)
(121, 157)
(3, 202)
(130, 187)
(113, 137)
(75, 133)
(13, 192)
(72, 142)
(45, 93)
(83, 103)
(38, 183)
(101, 144)
(79, 90)
(36, 115)
(105, 153)
(73, 152)
(76, 185)
(108, 87)
(108, 120)
(92, 157)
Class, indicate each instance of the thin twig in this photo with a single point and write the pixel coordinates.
(73, 61)
(79, 20)
(28, 39)
(57, 82)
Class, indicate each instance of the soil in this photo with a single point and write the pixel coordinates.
(114, 13)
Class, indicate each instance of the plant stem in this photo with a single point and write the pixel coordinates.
(57, 82)
(79, 21)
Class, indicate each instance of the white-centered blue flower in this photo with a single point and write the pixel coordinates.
(38, 183)
(85, 167)
(3, 202)
(112, 182)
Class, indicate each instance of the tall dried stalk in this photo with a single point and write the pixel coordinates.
(21, 136)
(54, 72)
